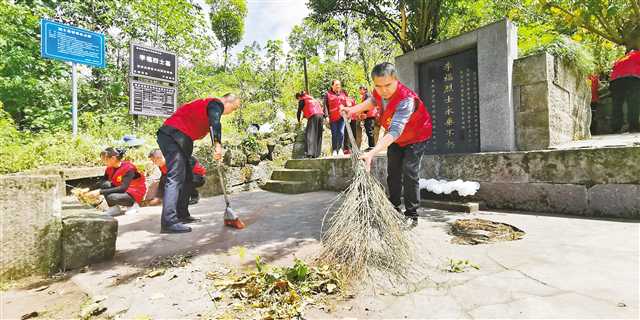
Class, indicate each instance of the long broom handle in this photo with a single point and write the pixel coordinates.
(222, 183)
(355, 150)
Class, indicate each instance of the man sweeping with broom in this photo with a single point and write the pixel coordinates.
(407, 124)
(192, 121)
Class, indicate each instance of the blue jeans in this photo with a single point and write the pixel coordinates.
(337, 134)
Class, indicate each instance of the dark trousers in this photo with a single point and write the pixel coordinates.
(313, 136)
(357, 134)
(625, 90)
(197, 181)
(337, 134)
(369, 129)
(403, 167)
(177, 149)
(116, 199)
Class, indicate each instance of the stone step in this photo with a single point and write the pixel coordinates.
(302, 164)
(306, 175)
(291, 187)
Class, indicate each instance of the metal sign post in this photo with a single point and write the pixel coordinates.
(74, 98)
(67, 43)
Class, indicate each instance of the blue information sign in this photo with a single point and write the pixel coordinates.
(67, 43)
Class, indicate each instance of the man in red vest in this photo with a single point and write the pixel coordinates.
(625, 87)
(407, 124)
(314, 113)
(192, 121)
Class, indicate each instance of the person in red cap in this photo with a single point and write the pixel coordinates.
(192, 121)
(312, 110)
(625, 87)
(407, 124)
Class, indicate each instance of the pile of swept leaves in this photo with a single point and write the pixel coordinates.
(272, 292)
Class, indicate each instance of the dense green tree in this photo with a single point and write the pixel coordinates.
(615, 20)
(227, 22)
(412, 24)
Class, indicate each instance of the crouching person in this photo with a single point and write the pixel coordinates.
(198, 179)
(122, 185)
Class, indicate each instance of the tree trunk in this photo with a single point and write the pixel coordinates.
(226, 54)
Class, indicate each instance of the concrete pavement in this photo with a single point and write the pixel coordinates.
(564, 267)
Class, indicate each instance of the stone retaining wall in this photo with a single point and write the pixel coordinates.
(551, 100)
(31, 213)
(588, 182)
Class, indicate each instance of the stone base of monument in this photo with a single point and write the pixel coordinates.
(594, 178)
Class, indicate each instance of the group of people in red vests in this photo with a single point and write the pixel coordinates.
(392, 106)
(316, 114)
(624, 85)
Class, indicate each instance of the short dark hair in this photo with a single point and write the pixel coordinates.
(113, 152)
(384, 69)
(300, 94)
(231, 96)
(363, 87)
(334, 81)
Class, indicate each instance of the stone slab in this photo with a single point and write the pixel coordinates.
(537, 197)
(30, 235)
(87, 239)
(618, 165)
(467, 207)
(617, 200)
(497, 48)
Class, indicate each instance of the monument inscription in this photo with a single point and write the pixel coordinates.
(449, 87)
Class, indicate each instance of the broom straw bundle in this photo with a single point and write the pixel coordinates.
(365, 233)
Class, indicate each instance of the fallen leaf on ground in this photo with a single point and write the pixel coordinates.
(155, 273)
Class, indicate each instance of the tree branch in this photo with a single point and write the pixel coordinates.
(590, 28)
(635, 4)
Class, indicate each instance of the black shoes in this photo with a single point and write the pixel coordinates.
(411, 222)
(175, 228)
(189, 219)
(194, 199)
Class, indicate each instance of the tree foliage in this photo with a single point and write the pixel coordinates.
(227, 22)
(615, 20)
(412, 24)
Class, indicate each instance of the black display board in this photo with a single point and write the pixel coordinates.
(153, 63)
(449, 88)
(151, 99)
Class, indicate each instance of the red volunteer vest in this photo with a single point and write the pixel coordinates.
(137, 187)
(627, 66)
(311, 107)
(418, 128)
(595, 96)
(334, 101)
(197, 169)
(374, 112)
(192, 119)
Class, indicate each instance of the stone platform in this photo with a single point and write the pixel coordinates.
(597, 177)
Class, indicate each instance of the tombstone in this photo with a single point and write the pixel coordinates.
(466, 83)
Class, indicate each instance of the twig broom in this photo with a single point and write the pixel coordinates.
(365, 233)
